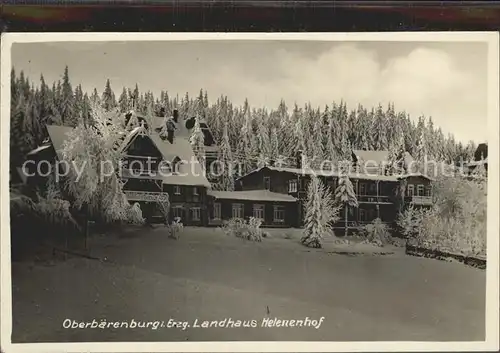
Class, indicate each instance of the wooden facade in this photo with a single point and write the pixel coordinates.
(378, 196)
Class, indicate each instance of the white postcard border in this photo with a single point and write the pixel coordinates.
(492, 271)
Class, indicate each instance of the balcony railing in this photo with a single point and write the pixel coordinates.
(421, 200)
(150, 196)
(373, 199)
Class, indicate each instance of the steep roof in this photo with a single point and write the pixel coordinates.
(374, 156)
(418, 174)
(58, 134)
(252, 195)
(477, 163)
(190, 173)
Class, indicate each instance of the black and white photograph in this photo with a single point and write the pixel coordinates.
(230, 188)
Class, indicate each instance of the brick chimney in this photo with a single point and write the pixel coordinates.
(298, 159)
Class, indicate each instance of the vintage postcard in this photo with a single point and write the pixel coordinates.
(249, 192)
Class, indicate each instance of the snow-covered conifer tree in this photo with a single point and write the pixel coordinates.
(197, 140)
(320, 213)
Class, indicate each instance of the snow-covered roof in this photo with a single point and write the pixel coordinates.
(252, 195)
(477, 163)
(38, 149)
(404, 176)
(371, 160)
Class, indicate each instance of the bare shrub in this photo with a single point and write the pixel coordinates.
(242, 229)
(321, 213)
(376, 233)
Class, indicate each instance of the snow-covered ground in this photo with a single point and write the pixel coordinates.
(206, 275)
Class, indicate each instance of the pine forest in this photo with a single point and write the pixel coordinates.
(252, 133)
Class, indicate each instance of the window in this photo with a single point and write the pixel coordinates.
(196, 213)
(177, 211)
(267, 183)
(362, 188)
(292, 185)
(420, 190)
(279, 214)
(411, 190)
(217, 210)
(195, 191)
(258, 211)
(362, 215)
(373, 187)
(177, 190)
(238, 210)
(428, 191)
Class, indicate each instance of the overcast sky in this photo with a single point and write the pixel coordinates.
(447, 81)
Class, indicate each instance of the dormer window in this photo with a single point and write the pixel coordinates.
(165, 168)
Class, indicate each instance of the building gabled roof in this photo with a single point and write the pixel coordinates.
(375, 156)
(190, 172)
(404, 176)
(130, 137)
(252, 195)
(58, 134)
(374, 159)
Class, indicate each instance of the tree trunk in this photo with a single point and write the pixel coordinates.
(346, 213)
(86, 227)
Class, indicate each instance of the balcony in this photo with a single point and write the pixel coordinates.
(150, 196)
(140, 174)
(421, 200)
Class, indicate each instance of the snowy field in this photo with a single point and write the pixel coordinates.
(206, 275)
